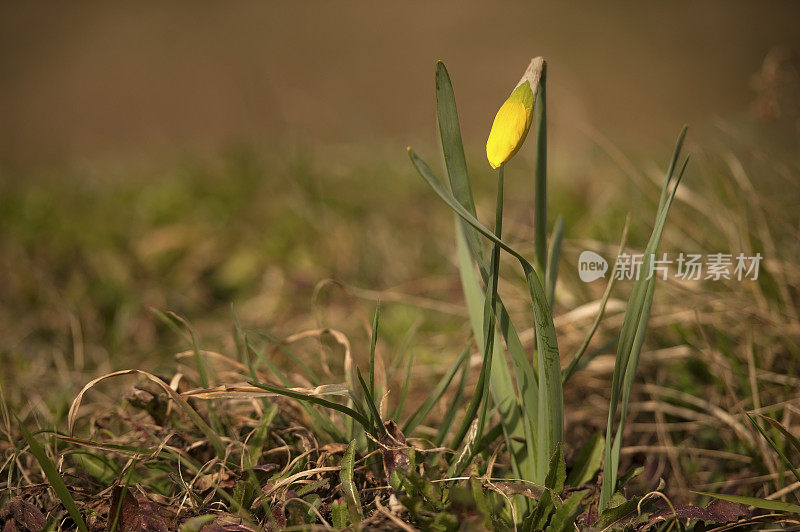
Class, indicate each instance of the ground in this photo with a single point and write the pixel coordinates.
(199, 272)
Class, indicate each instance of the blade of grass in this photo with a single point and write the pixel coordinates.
(424, 409)
(169, 319)
(635, 347)
(312, 376)
(588, 462)
(775, 447)
(550, 419)
(239, 336)
(118, 497)
(791, 438)
(359, 418)
(373, 408)
(641, 296)
(405, 343)
(501, 385)
(256, 444)
(195, 524)
(479, 398)
(481, 502)
(563, 519)
(545, 506)
(556, 471)
(404, 390)
(55, 480)
(633, 330)
(483, 378)
(320, 422)
(540, 175)
(349, 486)
(339, 514)
(491, 300)
(373, 342)
(450, 413)
(765, 504)
(553, 256)
(488, 438)
(167, 452)
(576, 358)
(202, 368)
(428, 175)
(454, 158)
(100, 467)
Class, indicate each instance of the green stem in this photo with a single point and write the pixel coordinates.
(478, 405)
(492, 296)
(540, 178)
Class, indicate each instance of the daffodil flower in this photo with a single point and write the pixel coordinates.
(513, 120)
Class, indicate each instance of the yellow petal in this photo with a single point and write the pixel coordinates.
(513, 120)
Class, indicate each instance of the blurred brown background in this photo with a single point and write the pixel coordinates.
(111, 80)
(209, 157)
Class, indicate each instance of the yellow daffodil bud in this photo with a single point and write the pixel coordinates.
(513, 120)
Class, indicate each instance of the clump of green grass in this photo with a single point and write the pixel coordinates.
(291, 433)
(531, 404)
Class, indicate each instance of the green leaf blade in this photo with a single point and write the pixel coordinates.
(764, 504)
(55, 480)
(349, 488)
